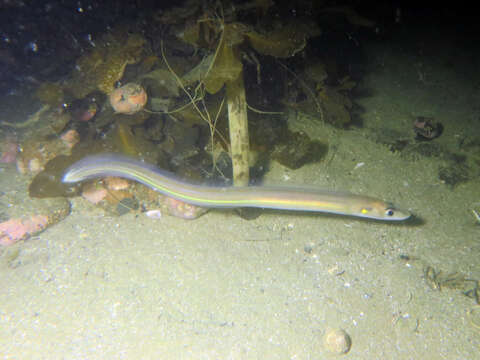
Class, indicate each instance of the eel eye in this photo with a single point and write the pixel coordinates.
(389, 212)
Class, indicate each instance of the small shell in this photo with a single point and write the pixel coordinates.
(154, 214)
(426, 128)
(337, 341)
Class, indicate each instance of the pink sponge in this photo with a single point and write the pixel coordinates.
(14, 230)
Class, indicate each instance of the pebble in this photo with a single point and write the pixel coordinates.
(337, 341)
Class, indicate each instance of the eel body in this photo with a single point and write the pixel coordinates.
(282, 198)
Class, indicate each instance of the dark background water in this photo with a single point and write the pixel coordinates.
(41, 40)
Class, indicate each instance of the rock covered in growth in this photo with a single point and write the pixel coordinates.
(128, 99)
(102, 67)
(37, 152)
(23, 216)
(8, 149)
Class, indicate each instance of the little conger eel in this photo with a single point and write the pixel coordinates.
(282, 198)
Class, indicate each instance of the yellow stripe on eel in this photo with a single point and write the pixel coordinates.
(281, 198)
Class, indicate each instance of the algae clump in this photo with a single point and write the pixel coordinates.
(102, 67)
